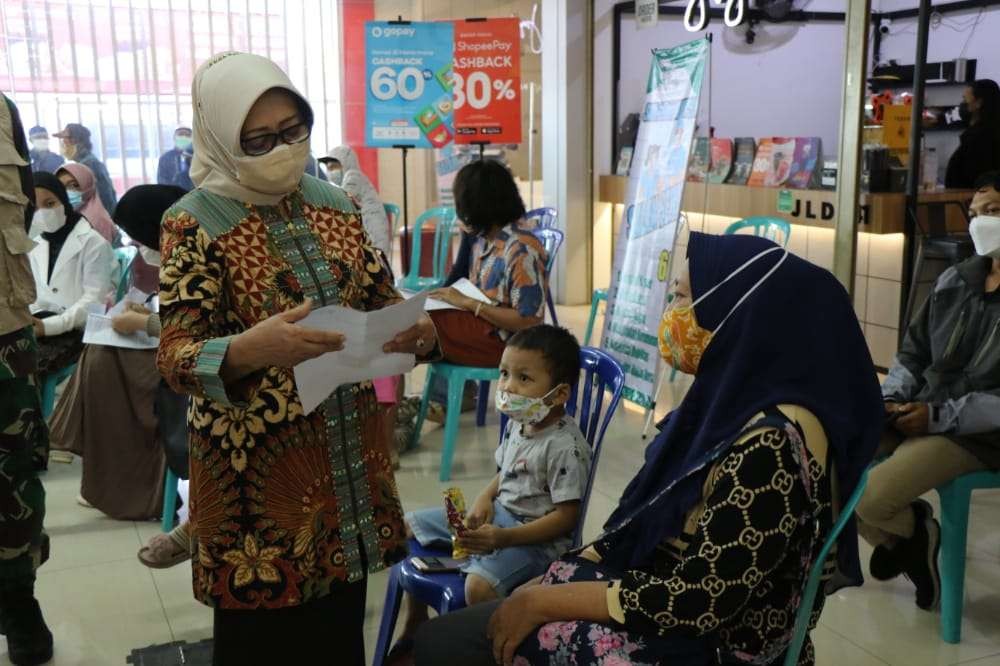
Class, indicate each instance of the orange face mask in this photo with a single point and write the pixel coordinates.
(682, 341)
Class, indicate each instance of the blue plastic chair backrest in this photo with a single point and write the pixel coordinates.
(545, 218)
(772, 228)
(600, 374)
(551, 239)
(391, 212)
(444, 219)
(805, 609)
(124, 256)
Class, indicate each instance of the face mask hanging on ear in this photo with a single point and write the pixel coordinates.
(682, 341)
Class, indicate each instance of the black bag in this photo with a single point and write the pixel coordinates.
(171, 416)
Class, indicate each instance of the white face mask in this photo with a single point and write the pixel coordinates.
(277, 172)
(985, 232)
(149, 255)
(47, 220)
(521, 408)
(40, 145)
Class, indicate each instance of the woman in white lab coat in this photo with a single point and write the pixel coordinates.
(72, 267)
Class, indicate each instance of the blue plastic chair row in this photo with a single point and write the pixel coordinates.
(446, 592)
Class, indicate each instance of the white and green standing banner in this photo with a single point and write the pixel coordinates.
(656, 186)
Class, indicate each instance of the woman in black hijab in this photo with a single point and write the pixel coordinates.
(72, 265)
(106, 413)
(710, 547)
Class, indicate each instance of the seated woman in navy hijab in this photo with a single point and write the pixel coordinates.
(709, 549)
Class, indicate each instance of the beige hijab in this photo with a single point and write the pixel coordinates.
(225, 88)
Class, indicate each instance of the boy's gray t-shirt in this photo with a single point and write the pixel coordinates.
(542, 470)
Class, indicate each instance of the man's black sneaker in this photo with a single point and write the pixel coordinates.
(920, 556)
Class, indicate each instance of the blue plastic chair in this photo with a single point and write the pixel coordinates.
(444, 217)
(545, 217)
(805, 609)
(599, 295)
(446, 592)
(391, 212)
(456, 376)
(49, 385)
(552, 239)
(170, 483)
(124, 256)
(772, 228)
(955, 497)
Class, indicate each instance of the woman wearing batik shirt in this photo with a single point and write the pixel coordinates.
(507, 265)
(289, 512)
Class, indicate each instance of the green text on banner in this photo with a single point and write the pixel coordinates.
(655, 188)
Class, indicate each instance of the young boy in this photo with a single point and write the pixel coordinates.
(524, 519)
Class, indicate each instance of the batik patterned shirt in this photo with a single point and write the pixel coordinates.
(284, 505)
(510, 270)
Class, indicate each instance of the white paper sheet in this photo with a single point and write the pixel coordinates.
(133, 296)
(362, 357)
(100, 332)
(464, 286)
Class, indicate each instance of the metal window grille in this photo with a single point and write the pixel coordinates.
(123, 68)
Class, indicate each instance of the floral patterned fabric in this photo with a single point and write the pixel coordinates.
(580, 643)
(284, 506)
(510, 270)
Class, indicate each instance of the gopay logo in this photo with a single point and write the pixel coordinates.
(379, 31)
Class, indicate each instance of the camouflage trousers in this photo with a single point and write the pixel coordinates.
(23, 434)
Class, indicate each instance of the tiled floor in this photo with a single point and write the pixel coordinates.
(101, 603)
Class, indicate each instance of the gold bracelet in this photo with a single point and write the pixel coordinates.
(478, 308)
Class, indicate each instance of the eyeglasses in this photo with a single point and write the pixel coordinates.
(262, 144)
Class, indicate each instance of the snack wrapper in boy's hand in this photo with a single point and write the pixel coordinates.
(454, 507)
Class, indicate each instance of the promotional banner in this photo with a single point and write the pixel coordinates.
(409, 73)
(639, 286)
(487, 81)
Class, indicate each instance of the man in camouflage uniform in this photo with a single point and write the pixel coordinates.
(23, 434)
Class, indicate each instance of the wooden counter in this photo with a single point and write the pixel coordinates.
(881, 213)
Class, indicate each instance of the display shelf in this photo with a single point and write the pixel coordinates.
(882, 213)
(884, 84)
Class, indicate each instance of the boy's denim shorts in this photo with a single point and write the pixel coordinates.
(504, 569)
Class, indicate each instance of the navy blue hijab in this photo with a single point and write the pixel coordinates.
(795, 340)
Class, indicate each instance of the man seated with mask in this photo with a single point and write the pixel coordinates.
(942, 403)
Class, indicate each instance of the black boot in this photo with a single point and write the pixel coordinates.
(29, 641)
(920, 556)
